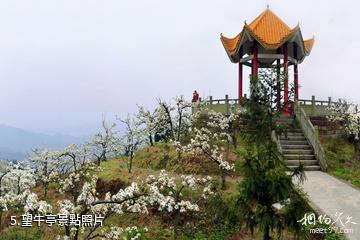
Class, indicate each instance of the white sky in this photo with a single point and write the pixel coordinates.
(64, 64)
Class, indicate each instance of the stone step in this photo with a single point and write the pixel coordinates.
(308, 168)
(294, 142)
(304, 162)
(295, 130)
(284, 117)
(288, 120)
(284, 120)
(293, 134)
(287, 124)
(299, 157)
(290, 137)
(293, 147)
(297, 151)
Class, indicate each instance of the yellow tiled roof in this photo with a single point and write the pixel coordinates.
(309, 44)
(269, 30)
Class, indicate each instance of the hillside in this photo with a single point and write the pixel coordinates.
(114, 175)
(340, 156)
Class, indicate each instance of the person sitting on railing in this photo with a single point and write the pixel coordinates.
(195, 98)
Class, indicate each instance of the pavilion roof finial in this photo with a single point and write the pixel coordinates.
(267, 6)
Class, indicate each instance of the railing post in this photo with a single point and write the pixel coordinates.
(227, 104)
(329, 101)
(313, 105)
(210, 102)
(316, 131)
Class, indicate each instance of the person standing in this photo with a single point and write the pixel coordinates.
(195, 97)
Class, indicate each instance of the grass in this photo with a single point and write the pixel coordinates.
(150, 161)
(340, 157)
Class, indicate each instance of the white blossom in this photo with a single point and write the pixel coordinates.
(349, 115)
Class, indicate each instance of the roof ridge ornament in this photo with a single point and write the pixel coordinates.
(267, 6)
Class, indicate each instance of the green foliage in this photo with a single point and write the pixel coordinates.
(220, 220)
(20, 233)
(265, 181)
(340, 157)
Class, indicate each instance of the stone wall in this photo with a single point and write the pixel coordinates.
(326, 127)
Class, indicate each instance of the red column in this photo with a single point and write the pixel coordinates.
(278, 85)
(240, 89)
(286, 80)
(296, 80)
(255, 60)
(240, 77)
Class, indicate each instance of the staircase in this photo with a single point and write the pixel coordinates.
(295, 147)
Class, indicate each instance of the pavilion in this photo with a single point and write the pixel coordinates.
(263, 44)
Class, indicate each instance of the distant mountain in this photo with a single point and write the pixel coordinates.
(16, 143)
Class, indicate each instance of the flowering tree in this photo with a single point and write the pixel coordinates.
(4, 171)
(348, 114)
(161, 194)
(75, 156)
(165, 116)
(46, 164)
(3, 201)
(18, 180)
(207, 141)
(15, 183)
(71, 183)
(177, 123)
(148, 121)
(182, 116)
(166, 196)
(132, 139)
(104, 142)
(84, 153)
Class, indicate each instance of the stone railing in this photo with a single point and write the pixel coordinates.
(316, 108)
(312, 108)
(311, 134)
(222, 105)
(314, 102)
(276, 139)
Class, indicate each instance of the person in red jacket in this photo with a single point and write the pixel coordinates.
(195, 97)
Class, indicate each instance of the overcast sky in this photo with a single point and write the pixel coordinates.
(65, 64)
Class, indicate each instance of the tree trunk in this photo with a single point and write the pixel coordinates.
(130, 161)
(266, 233)
(223, 178)
(357, 150)
(18, 186)
(178, 157)
(179, 126)
(76, 237)
(223, 172)
(74, 163)
(67, 231)
(151, 140)
(46, 185)
(176, 229)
